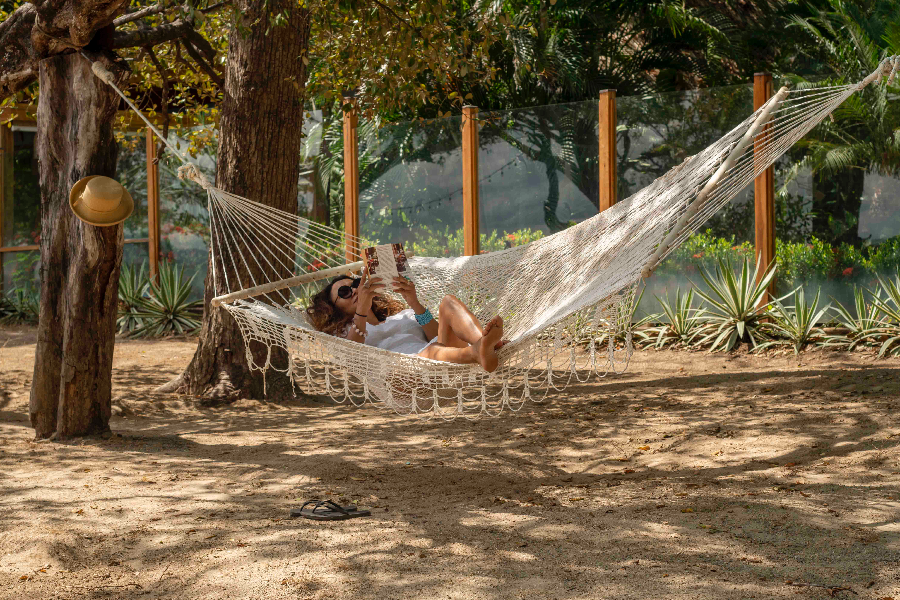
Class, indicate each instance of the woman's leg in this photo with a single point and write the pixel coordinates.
(457, 326)
(482, 351)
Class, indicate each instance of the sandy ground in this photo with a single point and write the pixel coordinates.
(690, 477)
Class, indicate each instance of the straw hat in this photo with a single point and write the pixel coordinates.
(101, 201)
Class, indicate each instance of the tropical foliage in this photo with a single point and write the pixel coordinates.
(133, 285)
(683, 323)
(19, 306)
(167, 309)
(735, 310)
(795, 325)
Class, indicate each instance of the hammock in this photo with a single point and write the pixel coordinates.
(554, 294)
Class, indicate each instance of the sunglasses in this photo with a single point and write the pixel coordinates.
(345, 291)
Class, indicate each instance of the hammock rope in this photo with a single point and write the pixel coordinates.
(555, 294)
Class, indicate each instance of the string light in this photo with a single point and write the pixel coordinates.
(439, 201)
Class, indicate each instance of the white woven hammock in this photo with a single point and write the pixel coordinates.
(554, 294)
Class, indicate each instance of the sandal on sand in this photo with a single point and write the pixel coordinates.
(326, 510)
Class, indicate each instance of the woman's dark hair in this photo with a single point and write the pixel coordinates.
(328, 318)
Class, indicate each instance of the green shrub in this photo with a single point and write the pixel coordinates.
(166, 309)
(20, 306)
(795, 325)
(735, 314)
(133, 284)
(703, 251)
(439, 243)
(817, 260)
(885, 257)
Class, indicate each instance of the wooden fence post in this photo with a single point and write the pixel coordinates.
(607, 149)
(153, 248)
(351, 181)
(5, 153)
(471, 235)
(764, 189)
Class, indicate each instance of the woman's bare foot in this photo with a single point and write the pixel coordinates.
(486, 346)
(490, 325)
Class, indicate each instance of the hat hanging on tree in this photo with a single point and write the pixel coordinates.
(101, 201)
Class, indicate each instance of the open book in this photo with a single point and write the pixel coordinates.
(387, 261)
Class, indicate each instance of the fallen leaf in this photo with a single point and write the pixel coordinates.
(687, 510)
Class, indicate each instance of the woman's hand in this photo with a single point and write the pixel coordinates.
(407, 289)
(368, 289)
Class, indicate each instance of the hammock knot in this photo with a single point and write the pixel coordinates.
(190, 171)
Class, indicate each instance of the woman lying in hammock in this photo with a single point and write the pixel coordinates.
(351, 308)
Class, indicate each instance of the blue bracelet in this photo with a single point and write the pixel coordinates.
(425, 318)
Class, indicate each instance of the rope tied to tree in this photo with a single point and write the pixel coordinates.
(190, 172)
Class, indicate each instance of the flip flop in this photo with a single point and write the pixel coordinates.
(326, 510)
(295, 512)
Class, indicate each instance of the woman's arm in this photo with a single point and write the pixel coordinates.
(407, 289)
(357, 330)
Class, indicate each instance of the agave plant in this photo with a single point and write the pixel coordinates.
(625, 314)
(19, 306)
(133, 284)
(166, 309)
(795, 325)
(887, 330)
(735, 315)
(684, 320)
(863, 321)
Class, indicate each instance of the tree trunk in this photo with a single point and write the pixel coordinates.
(259, 154)
(72, 390)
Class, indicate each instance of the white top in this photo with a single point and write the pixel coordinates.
(398, 333)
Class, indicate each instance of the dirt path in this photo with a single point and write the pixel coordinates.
(690, 477)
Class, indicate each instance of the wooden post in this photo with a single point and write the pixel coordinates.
(764, 189)
(607, 149)
(152, 204)
(351, 181)
(471, 236)
(6, 183)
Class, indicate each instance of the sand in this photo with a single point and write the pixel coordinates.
(693, 476)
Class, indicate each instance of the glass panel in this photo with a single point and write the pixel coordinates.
(411, 186)
(657, 133)
(22, 212)
(21, 270)
(538, 172)
(839, 228)
(131, 172)
(136, 254)
(183, 216)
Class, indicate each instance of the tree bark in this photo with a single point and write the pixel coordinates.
(72, 390)
(259, 153)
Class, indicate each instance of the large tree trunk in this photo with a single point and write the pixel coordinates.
(72, 388)
(259, 153)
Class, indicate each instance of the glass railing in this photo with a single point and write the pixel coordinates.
(657, 132)
(538, 171)
(410, 182)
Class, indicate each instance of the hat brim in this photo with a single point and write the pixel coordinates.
(93, 217)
